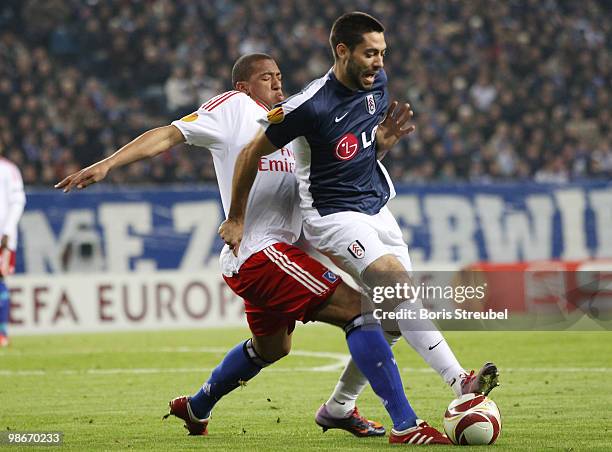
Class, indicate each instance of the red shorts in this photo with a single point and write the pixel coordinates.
(281, 284)
(7, 262)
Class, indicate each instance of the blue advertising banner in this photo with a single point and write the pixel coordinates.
(122, 230)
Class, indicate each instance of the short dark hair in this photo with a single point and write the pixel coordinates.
(349, 29)
(243, 67)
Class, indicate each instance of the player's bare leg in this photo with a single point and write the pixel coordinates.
(274, 347)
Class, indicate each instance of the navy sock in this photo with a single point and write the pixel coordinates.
(374, 357)
(240, 364)
(5, 304)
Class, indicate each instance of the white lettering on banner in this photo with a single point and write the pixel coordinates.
(57, 308)
(572, 205)
(601, 203)
(452, 227)
(42, 249)
(438, 226)
(40, 246)
(199, 219)
(117, 219)
(105, 302)
(406, 210)
(511, 236)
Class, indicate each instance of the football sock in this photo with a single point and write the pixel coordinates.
(5, 304)
(424, 337)
(374, 358)
(351, 384)
(239, 365)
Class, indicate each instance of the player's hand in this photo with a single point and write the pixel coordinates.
(394, 126)
(231, 233)
(85, 177)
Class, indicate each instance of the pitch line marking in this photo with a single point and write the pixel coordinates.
(340, 358)
(339, 361)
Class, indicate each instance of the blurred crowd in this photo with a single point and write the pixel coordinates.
(502, 90)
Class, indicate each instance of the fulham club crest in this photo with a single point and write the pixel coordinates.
(370, 104)
(356, 249)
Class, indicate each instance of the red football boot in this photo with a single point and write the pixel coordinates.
(482, 382)
(180, 408)
(421, 435)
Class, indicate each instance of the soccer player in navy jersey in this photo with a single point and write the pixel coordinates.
(280, 284)
(343, 125)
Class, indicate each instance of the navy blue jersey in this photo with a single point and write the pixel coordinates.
(335, 148)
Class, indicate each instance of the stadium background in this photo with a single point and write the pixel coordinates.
(511, 161)
(503, 91)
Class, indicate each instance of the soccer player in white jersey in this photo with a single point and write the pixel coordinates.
(12, 202)
(343, 125)
(279, 283)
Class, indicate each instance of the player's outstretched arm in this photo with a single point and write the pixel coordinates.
(245, 172)
(147, 145)
(394, 126)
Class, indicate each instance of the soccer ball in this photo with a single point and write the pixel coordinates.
(472, 419)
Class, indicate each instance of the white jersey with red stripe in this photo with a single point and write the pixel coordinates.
(12, 200)
(225, 125)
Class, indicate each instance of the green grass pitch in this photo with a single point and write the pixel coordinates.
(109, 391)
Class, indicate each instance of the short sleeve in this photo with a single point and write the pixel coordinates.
(213, 122)
(283, 125)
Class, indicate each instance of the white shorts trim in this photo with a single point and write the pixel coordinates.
(295, 271)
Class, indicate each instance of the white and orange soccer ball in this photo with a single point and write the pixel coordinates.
(472, 419)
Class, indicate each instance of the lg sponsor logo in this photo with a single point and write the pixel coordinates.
(348, 146)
